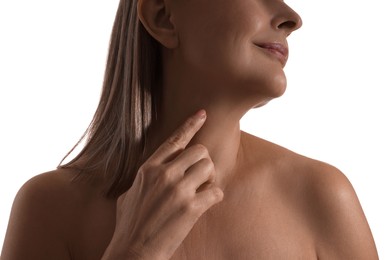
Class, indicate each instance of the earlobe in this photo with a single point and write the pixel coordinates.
(156, 18)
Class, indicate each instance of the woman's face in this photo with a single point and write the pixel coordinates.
(236, 42)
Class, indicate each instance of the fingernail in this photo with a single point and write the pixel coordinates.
(201, 114)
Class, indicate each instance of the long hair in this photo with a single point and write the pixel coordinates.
(116, 137)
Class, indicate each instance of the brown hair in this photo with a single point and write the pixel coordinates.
(116, 138)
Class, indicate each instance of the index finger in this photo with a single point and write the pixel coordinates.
(180, 138)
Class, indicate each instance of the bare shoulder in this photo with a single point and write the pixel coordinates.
(324, 197)
(43, 217)
(335, 213)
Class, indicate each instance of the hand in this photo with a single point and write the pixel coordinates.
(172, 189)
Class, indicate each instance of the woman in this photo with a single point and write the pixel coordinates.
(148, 186)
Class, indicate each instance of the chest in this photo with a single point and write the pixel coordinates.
(245, 231)
(244, 226)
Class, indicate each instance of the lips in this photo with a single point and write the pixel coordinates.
(278, 50)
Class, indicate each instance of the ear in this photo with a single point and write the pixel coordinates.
(155, 16)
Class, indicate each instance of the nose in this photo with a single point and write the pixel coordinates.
(286, 19)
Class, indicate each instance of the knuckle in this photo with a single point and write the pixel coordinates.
(145, 169)
(217, 194)
(176, 140)
(191, 207)
(144, 172)
(189, 124)
(201, 149)
(208, 164)
(166, 175)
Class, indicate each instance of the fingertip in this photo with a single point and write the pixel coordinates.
(201, 114)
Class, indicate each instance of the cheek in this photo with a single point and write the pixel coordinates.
(221, 49)
(218, 49)
(211, 40)
(237, 63)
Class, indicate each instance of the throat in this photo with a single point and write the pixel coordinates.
(221, 135)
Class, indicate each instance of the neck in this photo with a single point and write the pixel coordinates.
(186, 92)
(220, 135)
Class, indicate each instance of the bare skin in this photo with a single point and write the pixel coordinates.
(280, 206)
(208, 191)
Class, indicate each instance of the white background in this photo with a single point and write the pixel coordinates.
(52, 57)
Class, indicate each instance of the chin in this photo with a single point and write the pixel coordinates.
(279, 86)
(268, 88)
(262, 103)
